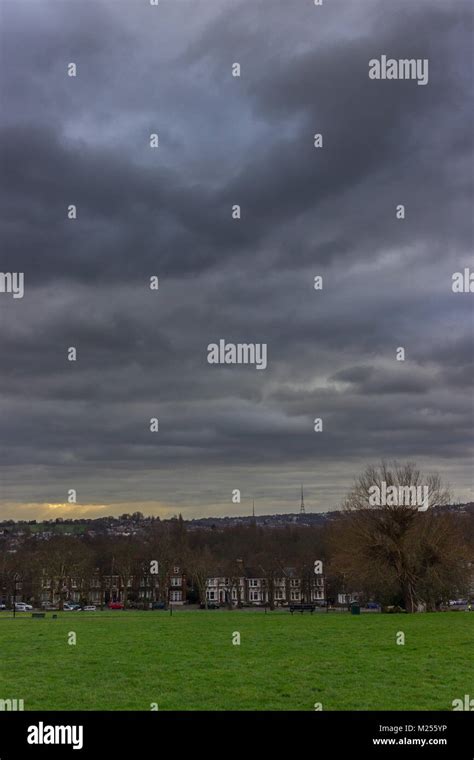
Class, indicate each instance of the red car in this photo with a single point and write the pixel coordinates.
(115, 605)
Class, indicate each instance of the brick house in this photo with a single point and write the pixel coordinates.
(103, 589)
(251, 587)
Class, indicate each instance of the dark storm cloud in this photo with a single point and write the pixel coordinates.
(331, 211)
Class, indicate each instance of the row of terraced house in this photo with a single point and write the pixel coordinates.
(249, 586)
(104, 589)
(252, 587)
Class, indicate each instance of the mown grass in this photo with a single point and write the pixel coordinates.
(129, 660)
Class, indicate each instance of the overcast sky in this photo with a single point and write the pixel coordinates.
(306, 211)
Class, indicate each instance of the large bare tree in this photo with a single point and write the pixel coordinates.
(399, 547)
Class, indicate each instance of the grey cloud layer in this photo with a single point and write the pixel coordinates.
(304, 212)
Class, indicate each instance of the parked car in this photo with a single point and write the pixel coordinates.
(89, 608)
(67, 607)
(23, 607)
(210, 606)
(116, 605)
(49, 606)
(158, 606)
(3, 606)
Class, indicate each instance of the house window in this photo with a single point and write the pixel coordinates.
(254, 596)
(176, 581)
(175, 596)
(253, 582)
(295, 595)
(211, 595)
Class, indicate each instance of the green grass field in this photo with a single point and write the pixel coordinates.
(129, 660)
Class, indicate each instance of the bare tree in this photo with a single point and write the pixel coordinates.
(395, 547)
(200, 565)
(126, 563)
(64, 561)
(161, 549)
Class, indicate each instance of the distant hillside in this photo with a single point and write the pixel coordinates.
(129, 524)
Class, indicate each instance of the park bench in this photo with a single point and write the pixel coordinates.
(302, 607)
(37, 614)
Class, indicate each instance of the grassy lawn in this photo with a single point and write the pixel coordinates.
(128, 660)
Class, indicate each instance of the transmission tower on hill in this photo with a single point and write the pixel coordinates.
(302, 509)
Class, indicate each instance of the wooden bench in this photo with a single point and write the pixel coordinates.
(38, 614)
(302, 607)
